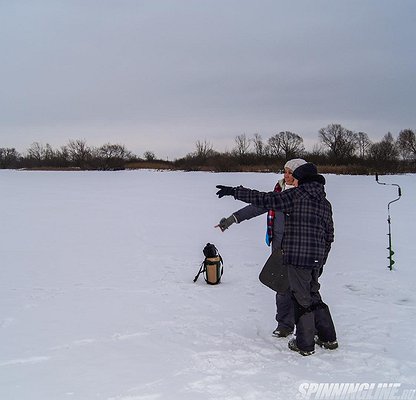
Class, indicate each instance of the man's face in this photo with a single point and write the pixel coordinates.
(289, 179)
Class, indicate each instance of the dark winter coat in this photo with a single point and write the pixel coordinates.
(309, 229)
(252, 211)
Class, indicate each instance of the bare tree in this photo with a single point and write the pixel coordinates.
(242, 145)
(112, 156)
(363, 144)
(274, 145)
(149, 155)
(341, 142)
(111, 151)
(79, 152)
(386, 150)
(291, 144)
(203, 149)
(63, 154)
(36, 152)
(42, 155)
(318, 150)
(258, 145)
(286, 144)
(8, 157)
(406, 143)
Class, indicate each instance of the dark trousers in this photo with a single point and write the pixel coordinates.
(312, 315)
(285, 315)
(274, 276)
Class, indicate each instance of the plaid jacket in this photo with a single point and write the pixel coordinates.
(309, 228)
(276, 223)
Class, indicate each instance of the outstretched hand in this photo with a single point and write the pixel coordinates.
(225, 191)
(225, 223)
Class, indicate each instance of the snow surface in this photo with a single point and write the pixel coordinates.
(97, 299)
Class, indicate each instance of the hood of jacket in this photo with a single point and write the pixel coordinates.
(313, 190)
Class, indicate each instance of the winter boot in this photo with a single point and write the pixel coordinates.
(294, 347)
(282, 332)
(326, 345)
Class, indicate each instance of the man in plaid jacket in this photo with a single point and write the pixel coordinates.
(274, 266)
(309, 232)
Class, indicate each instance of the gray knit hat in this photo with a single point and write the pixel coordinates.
(295, 163)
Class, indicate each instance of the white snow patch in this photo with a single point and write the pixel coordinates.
(96, 277)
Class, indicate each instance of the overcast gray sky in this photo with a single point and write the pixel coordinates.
(161, 74)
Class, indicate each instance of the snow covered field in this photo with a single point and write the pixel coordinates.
(97, 299)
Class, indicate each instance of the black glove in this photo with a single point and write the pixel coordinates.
(225, 223)
(225, 191)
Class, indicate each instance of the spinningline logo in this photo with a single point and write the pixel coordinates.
(355, 391)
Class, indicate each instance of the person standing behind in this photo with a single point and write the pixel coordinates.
(274, 236)
(309, 233)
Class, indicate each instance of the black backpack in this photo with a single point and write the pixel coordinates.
(211, 267)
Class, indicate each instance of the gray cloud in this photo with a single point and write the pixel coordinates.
(163, 74)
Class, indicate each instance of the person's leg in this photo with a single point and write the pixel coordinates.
(325, 328)
(300, 285)
(284, 313)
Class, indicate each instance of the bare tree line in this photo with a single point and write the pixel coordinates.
(337, 143)
(337, 146)
(75, 154)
